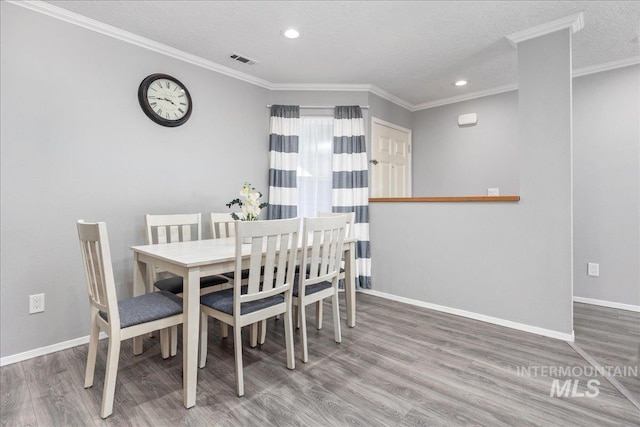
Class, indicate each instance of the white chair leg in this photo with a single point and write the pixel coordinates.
(224, 329)
(113, 355)
(237, 344)
(288, 337)
(165, 342)
(91, 354)
(319, 307)
(174, 340)
(303, 333)
(202, 349)
(336, 316)
(253, 335)
(296, 316)
(263, 331)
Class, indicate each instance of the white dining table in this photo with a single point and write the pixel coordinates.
(193, 260)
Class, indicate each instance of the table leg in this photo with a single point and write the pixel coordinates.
(139, 288)
(350, 284)
(190, 329)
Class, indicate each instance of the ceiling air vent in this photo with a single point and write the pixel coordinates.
(243, 59)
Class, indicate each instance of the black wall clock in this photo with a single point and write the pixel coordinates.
(165, 100)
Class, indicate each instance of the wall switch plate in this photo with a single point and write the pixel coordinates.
(593, 269)
(36, 303)
(493, 191)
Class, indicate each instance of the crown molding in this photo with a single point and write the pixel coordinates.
(575, 22)
(466, 97)
(321, 87)
(598, 68)
(117, 33)
(344, 88)
(578, 72)
(390, 97)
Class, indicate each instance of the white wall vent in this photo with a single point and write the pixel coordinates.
(242, 58)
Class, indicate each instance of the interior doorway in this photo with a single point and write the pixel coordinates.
(390, 160)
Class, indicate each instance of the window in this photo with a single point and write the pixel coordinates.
(315, 176)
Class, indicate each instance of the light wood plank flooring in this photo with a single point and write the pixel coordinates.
(401, 366)
(611, 337)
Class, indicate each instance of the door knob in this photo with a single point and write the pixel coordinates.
(374, 162)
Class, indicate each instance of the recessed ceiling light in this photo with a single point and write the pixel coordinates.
(291, 33)
(460, 83)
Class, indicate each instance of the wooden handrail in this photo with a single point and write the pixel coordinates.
(446, 199)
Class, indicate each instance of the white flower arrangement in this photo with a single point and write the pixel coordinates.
(251, 206)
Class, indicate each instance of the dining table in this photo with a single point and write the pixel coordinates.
(195, 259)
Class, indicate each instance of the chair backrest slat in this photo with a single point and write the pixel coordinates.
(170, 229)
(96, 257)
(173, 228)
(222, 225)
(274, 248)
(351, 219)
(324, 238)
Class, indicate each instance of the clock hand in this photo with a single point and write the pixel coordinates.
(161, 99)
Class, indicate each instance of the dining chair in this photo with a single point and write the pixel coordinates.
(120, 320)
(223, 226)
(273, 252)
(350, 233)
(322, 240)
(178, 228)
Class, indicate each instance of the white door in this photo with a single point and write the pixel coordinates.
(390, 160)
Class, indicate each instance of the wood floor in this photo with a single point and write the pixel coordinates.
(401, 366)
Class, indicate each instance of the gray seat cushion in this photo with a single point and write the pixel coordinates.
(147, 308)
(174, 284)
(309, 269)
(223, 301)
(245, 274)
(311, 289)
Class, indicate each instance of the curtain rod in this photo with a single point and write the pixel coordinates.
(364, 107)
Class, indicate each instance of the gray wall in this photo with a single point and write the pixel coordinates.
(606, 171)
(390, 112)
(75, 144)
(464, 161)
(511, 261)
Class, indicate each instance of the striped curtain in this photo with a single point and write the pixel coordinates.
(283, 161)
(351, 182)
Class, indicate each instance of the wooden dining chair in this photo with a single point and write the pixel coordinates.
(350, 233)
(120, 320)
(322, 240)
(223, 226)
(273, 253)
(178, 228)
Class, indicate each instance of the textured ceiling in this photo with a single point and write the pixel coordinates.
(413, 50)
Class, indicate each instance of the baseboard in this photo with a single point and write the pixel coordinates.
(610, 304)
(476, 316)
(8, 360)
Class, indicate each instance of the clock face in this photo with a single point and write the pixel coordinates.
(165, 100)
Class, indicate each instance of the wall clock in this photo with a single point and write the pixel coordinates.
(165, 100)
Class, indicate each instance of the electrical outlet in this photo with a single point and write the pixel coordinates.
(493, 191)
(593, 269)
(36, 303)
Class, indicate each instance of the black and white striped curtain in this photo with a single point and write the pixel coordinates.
(351, 182)
(283, 161)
